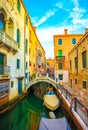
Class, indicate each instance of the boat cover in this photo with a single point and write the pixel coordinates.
(54, 124)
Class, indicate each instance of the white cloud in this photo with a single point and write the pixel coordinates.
(75, 3)
(44, 18)
(45, 36)
(59, 5)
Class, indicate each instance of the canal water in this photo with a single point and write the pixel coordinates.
(26, 114)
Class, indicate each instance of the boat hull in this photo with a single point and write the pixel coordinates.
(51, 102)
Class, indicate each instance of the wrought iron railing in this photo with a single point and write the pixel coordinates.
(78, 106)
(4, 70)
(60, 58)
(4, 89)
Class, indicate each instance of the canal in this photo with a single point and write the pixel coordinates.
(26, 114)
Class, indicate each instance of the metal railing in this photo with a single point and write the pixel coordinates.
(8, 41)
(4, 70)
(78, 106)
(4, 89)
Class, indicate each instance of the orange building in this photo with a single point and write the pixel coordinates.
(63, 43)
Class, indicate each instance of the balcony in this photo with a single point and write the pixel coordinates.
(4, 89)
(7, 42)
(60, 58)
(4, 71)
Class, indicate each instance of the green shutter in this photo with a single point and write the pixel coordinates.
(26, 20)
(26, 46)
(84, 59)
(1, 59)
(84, 84)
(18, 38)
(60, 54)
(18, 5)
(59, 65)
(18, 63)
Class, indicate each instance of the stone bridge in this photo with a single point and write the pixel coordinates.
(42, 79)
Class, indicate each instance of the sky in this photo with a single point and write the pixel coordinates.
(51, 17)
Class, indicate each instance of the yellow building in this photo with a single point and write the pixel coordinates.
(37, 54)
(63, 43)
(78, 63)
(14, 54)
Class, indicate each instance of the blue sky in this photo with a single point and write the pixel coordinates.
(52, 17)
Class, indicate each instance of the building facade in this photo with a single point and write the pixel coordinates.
(63, 43)
(50, 67)
(14, 54)
(37, 54)
(78, 64)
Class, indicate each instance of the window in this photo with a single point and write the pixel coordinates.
(26, 46)
(18, 5)
(71, 83)
(2, 23)
(26, 65)
(60, 54)
(76, 62)
(30, 38)
(18, 64)
(60, 41)
(75, 81)
(60, 77)
(12, 84)
(59, 65)
(73, 40)
(18, 38)
(26, 20)
(70, 64)
(84, 59)
(84, 84)
(26, 75)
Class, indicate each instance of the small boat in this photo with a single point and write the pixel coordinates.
(51, 102)
(54, 124)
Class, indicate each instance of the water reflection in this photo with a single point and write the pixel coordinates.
(25, 115)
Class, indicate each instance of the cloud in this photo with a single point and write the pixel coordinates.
(59, 5)
(45, 36)
(44, 18)
(76, 4)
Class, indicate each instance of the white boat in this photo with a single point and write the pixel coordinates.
(51, 101)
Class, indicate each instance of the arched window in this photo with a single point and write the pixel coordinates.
(18, 38)
(2, 27)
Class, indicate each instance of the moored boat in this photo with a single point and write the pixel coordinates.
(50, 100)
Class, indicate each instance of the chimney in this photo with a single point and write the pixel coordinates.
(66, 31)
(86, 30)
(34, 28)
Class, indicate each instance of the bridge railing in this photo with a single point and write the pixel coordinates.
(41, 79)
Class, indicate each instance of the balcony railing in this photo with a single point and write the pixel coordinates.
(8, 42)
(60, 58)
(4, 70)
(4, 89)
